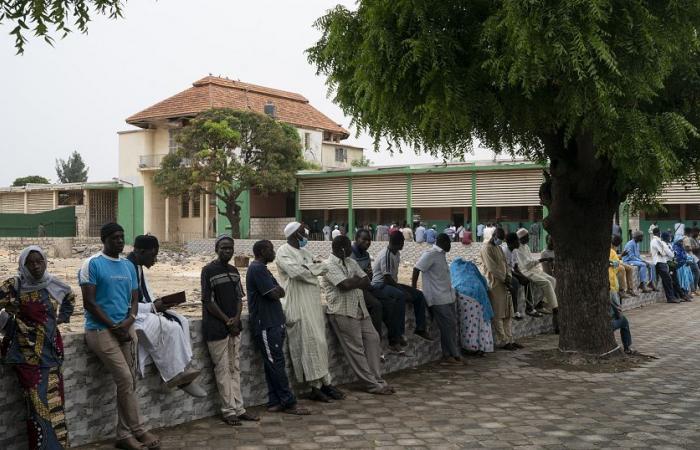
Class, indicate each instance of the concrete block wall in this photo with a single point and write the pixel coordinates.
(409, 255)
(268, 227)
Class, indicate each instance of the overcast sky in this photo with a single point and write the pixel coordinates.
(76, 95)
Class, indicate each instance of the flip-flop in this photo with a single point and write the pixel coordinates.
(234, 421)
(249, 417)
(149, 440)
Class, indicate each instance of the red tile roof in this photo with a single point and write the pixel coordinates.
(214, 92)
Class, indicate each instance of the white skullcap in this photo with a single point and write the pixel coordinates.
(521, 232)
(291, 228)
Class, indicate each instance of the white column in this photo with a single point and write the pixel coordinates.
(86, 203)
(55, 199)
(167, 219)
(26, 201)
(206, 216)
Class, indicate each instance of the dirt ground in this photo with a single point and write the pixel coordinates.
(174, 272)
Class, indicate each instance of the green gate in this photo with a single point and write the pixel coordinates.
(57, 223)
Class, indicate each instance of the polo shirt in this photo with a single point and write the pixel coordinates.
(221, 283)
(386, 263)
(114, 280)
(437, 285)
(264, 311)
(343, 303)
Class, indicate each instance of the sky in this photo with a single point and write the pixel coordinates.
(76, 95)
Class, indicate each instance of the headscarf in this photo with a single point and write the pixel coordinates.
(468, 281)
(27, 283)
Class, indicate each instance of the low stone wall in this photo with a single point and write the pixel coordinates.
(268, 227)
(409, 255)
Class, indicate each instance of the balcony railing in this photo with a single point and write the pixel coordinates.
(149, 162)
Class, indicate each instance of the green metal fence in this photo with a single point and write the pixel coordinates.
(57, 223)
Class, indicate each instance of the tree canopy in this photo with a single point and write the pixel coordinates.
(225, 152)
(73, 170)
(602, 92)
(23, 181)
(46, 17)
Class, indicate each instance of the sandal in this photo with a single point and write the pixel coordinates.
(130, 443)
(149, 440)
(249, 417)
(234, 421)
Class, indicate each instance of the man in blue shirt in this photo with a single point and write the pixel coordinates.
(110, 298)
(267, 321)
(431, 235)
(630, 255)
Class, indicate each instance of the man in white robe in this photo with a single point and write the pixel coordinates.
(531, 268)
(306, 325)
(164, 336)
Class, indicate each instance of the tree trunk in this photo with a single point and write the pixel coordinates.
(582, 199)
(234, 218)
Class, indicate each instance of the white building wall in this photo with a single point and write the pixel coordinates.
(132, 145)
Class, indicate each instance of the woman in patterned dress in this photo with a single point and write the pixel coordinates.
(36, 303)
(475, 311)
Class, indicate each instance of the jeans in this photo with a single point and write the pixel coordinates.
(403, 294)
(645, 271)
(446, 320)
(696, 275)
(381, 309)
(623, 325)
(665, 275)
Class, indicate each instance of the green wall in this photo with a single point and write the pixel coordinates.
(130, 212)
(223, 226)
(57, 223)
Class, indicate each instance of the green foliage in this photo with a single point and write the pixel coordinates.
(224, 152)
(310, 165)
(362, 162)
(23, 181)
(41, 16)
(533, 78)
(73, 170)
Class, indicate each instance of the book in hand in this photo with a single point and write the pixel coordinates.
(173, 299)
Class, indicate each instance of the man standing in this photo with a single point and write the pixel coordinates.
(488, 231)
(343, 283)
(110, 298)
(678, 231)
(532, 269)
(306, 325)
(439, 295)
(651, 230)
(327, 232)
(336, 232)
(480, 232)
(631, 256)
(267, 323)
(420, 233)
(407, 232)
(164, 336)
(381, 309)
(385, 282)
(431, 235)
(222, 303)
(661, 253)
(535, 230)
(498, 276)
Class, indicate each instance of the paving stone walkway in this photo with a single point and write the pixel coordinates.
(501, 401)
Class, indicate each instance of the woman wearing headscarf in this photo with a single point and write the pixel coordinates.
(684, 276)
(37, 302)
(475, 311)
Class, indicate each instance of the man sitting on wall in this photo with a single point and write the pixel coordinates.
(531, 267)
(164, 336)
(632, 257)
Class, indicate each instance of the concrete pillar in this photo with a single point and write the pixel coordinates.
(475, 214)
(206, 216)
(26, 201)
(167, 219)
(409, 200)
(55, 199)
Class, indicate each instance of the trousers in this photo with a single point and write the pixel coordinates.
(664, 273)
(402, 294)
(119, 358)
(270, 342)
(225, 354)
(382, 310)
(623, 325)
(446, 319)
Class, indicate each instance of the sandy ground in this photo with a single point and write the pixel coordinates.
(174, 272)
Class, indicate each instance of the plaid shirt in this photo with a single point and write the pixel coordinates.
(343, 303)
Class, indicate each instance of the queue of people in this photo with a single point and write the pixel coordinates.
(127, 325)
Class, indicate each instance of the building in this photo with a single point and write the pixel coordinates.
(179, 219)
(72, 209)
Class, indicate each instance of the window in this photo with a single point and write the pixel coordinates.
(196, 205)
(185, 205)
(173, 145)
(70, 198)
(307, 141)
(341, 154)
(326, 136)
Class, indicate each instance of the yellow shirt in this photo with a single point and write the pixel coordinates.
(612, 271)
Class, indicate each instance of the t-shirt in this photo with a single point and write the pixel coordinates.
(114, 280)
(437, 286)
(612, 271)
(361, 257)
(386, 263)
(420, 234)
(265, 312)
(430, 236)
(221, 283)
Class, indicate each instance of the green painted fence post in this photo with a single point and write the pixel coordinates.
(409, 200)
(475, 211)
(350, 232)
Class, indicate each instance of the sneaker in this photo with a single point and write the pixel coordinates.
(518, 316)
(185, 377)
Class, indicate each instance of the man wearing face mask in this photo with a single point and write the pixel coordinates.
(343, 284)
(306, 325)
(498, 275)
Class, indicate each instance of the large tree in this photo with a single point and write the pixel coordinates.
(73, 170)
(604, 91)
(44, 17)
(23, 181)
(225, 152)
